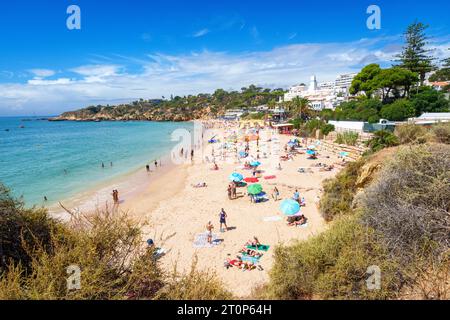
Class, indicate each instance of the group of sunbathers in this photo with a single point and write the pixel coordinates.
(239, 263)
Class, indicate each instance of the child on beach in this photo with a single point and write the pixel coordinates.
(209, 229)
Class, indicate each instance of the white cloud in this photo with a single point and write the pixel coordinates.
(163, 74)
(42, 73)
(201, 33)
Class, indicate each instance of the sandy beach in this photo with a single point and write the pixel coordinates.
(177, 212)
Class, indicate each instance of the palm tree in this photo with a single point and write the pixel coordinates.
(300, 106)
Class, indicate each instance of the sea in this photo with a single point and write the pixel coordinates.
(58, 160)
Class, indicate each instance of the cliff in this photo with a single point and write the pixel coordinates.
(199, 107)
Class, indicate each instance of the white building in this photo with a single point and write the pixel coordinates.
(344, 81)
(326, 95)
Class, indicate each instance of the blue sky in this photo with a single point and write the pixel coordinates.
(132, 49)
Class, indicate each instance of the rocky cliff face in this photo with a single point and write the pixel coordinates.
(201, 106)
(145, 112)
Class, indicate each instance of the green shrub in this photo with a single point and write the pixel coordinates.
(114, 261)
(194, 285)
(339, 192)
(21, 229)
(332, 265)
(349, 138)
(411, 134)
(382, 139)
(409, 204)
(399, 110)
(441, 132)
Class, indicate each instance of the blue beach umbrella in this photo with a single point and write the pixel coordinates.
(243, 154)
(236, 177)
(344, 154)
(311, 152)
(290, 207)
(255, 163)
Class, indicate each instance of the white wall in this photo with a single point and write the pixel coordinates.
(356, 126)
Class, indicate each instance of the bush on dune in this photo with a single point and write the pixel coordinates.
(409, 204)
(401, 224)
(441, 133)
(194, 285)
(411, 134)
(109, 250)
(339, 192)
(20, 230)
(332, 265)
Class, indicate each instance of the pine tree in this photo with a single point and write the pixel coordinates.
(415, 56)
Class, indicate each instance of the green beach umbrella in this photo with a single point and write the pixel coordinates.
(254, 189)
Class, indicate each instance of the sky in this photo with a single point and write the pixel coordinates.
(126, 50)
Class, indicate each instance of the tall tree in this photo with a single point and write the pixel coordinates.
(415, 56)
(363, 81)
(442, 74)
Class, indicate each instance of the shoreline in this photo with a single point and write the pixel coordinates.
(130, 184)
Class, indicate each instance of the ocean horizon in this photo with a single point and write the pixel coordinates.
(58, 160)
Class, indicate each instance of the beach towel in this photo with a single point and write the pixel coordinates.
(261, 247)
(305, 225)
(201, 241)
(272, 219)
(270, 177)
(253, 260)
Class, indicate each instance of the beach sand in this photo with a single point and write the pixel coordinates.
(177, 212)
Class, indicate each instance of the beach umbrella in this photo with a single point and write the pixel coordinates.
(311, 152)
(254, 189)
(236, 177)
(243, 154)
(255, 163)
(344, 154)
(251, 180)
(290, 207)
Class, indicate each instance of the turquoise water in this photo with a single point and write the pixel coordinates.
(60, 159)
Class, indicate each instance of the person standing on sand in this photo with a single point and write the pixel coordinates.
(276, 194)
(156, 164)
(223, 220)
(192, 155)
(233, 190)
(115, 196)
(147, 167)
(297, 196)
(229, 191)
(209, 229)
